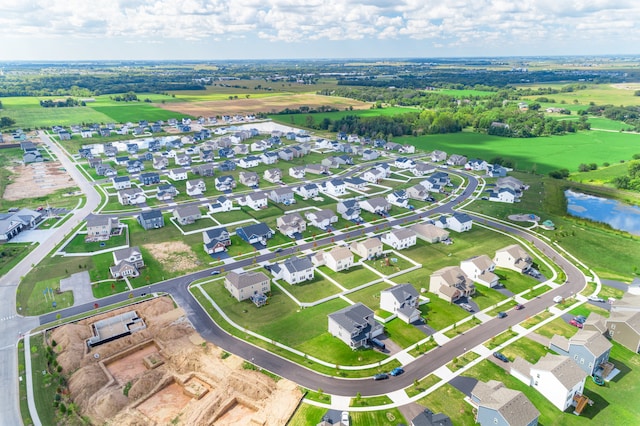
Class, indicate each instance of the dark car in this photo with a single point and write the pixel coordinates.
(581, 319)
(502, 314)
(381, 376)
(519, 306)
(501, 356)
(397, 371)
(278, 250)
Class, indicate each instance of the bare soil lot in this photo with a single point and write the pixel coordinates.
(36, 180)
(176, 256)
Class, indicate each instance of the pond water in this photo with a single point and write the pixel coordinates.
(614, 213)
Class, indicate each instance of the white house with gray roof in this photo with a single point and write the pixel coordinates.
(127, 262)
(556, 377)
(294, 270)
(402, 300)
(513, 257)
(376, 205)
(354, 325)
(498, 405)
(321, 218)
(480, 270)
(291, 224)
(399, 239)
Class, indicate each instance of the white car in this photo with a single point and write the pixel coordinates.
(558, 299)
(345, 418)
(595, 299)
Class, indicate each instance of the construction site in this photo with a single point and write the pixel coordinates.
(146, 365)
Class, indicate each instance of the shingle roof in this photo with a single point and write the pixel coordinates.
(563, 368)
(514, 406)
(593, 340)
(352, 316)
(246, 279)
(297, 264)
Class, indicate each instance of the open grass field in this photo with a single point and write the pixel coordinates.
(601, 94)
(440, 314)
(310, 291)
(542, 154)
(77, 244)
(461, 94)
(450, 401)
(402, 333)
(370, 296)
(136, 111)
(11, 254)
(602, 176)
(352, 277)
(365, 111)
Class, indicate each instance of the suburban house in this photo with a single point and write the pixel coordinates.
(513, 183)
(150, 178)
(429, 418)
(398, 198)
(402, 300)
(421, 169)
(369, 155)
(297, 172)
(226, 166)
(291, 224)
(587, 348)
(404, 163)
(309, 190)
(225, 183)
(216, 240)
(272, 175)
(248, 285)
(367, 249)
(374, 175)
(457, 160)
(294, 270)
(429, 232)
(183, 160)
(221, 204)
(503, 195)
(513, 257)
(437, 156)
(450, 283)
(321, 218)
(355, 183)
(354, 325)
(101, 227)
(349, 209)
(127, 262)
(269, 157)
(187, 214)
(151, 219)
(498, 405)
(255, 200)
(418, 192)
(376, 205)
(196, 187)
(630, 302)
(121, 182)
(166, 192)
(338, 259)
(624, 328)
(206, 169)
(480, 270)
(335, 187)
(476, 165)
(160, 162)
(178, 174)
(400, 238)
(249, 178)
(134, 166)
(285, 154)
(459, 222)
(282, 195)
(104, 170)
(556, 377)
(256, 233)
(131, 196)
(316, 169)
(248, 161)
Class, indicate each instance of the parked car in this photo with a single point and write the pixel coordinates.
(581, 319)
(278, 250)
(397, 371)
(595, 299)
(502, 314)
(345, 418)
(215, 272)
(519, 306)
(381, 376)
(558, 299)
(466, 307)
(575, 323)
(501, 356)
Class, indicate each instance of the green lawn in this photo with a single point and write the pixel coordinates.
(331, 349)
(602, 176)
(390, 417)
(402, 333)
(462, 327)
(464, 359)
(12, 254)
(372, 401)
(536, 319)
(351, 278)
(557, 326)
(381, 265)
(450, 401)
(134, 111)
(370, 296)
(100, 269)
(306, 415)
(536, 292)
(440, 313)
(486, 297)
(526, 349)
(423, 385)
(77, 244)
(515, 281)
(498, 340)
(109, 288)
(310, 291)
(546, 154)
(42, 299)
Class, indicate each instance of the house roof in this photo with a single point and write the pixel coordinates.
(282, 191)
(402, 233)
(339, 253)
(428, 418)
(429, 230)
(563, 368)
(560, 341)
(99, 220)
(628, 300)
(187, 210)
(515, 251)
(461, 217)
(632, 319)
(482, 262)
(513, 405)
(324, 214)
(370, 243)
(245, 279)
(402, 292)
(119, 179)
(597, 321)
(297, 264)
(290, 219)
(376, 202)
(179, 170)
(255, 229)
(352, 317)
(452, 275)
(593, 340)
(125, 253)
(216, 234)
(150, 214)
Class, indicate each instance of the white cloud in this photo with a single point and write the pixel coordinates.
(437, 23)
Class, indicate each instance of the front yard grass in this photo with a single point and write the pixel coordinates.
(423, 348)
(440, 314)
(557, 326)
(586, 308)
(105, 289)
(486, 297)
(526, 349)
(371, 401)
(402, 333)
(352, 277)
(77, 244)
(496, 341)
(422, 385)
(463, 327)
(536, 319)
(536, 292)
(515, 281)
(310, 291)
(390, 417)
(458, 362)
(450, 401)
(307, 414)
(606, 292)
(370, 296)
(41, 299)
(333, 350)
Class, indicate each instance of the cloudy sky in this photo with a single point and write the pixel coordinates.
(257, 29)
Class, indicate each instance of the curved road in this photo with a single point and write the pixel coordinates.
(419, 368)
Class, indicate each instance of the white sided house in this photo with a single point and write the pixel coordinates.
(460, 222)
(480, 270)
(294, 270)
(399, 239)
(367, 249)
(337, 259)
(401, 300)
(513, 257)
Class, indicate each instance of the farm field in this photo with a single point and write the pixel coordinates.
(600, 94)
(541, 155)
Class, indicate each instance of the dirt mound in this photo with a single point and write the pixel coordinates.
(158, 376)
(175, 256)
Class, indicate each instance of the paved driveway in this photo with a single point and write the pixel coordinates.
(80, 284)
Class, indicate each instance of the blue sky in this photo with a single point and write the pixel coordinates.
(270, 29)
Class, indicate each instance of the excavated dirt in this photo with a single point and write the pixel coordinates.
(166, 374)
(36, 180)
(175, 256)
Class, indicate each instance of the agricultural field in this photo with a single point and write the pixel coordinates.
(541, 155)
(600, 94)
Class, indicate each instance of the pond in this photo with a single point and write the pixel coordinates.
(614, 213)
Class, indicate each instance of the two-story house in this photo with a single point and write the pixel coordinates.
(429, 232)
(376, 205)
(131, 196)
(480, 270)
(513, 257)
(178, 174)
(196, 187)
(309, 190)
(249, 161)
(248, 285)
(297, 172)
(166, 192)
(294, 270)
(206, 169)
(216, 240)
(151, 219)
(291, 224)
(460, 222)
(127, 262)
(349, 209)
(402, 300)
(400, 238)
(100, 227)
(587, 348)
(497, 405)
(258, 233)
(321, 218)
(225, 183)
(250, 179)
(254, 200)
(398, 198)
(367, 249)
(150, 178)
(121, 182)
(221, 204)
(187, 214)
(450, 283)
(335, 187)
(354, 325)
(338, 259)
(272, 175)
